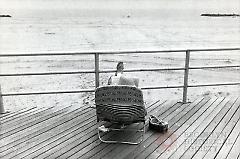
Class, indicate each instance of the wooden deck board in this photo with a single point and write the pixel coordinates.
(227, 139)
(189, 126)
(228, 143)
(72, 132)
(15, 115)
(102, 151)
(54, 130)
(149, 137)
(118, 148)
(23, 117)
(234, 152)
(28, 124)
(73, 149)
(175, 123)
(202, 136)
(215, 136)
(207, 120)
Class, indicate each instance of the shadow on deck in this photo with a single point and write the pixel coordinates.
(207, 127)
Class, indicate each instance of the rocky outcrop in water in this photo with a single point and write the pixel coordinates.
(5, 16)
(221, 15)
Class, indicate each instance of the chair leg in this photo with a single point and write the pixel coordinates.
(142, 130)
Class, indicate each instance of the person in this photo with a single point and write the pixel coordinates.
(114, 80)
(120, 79)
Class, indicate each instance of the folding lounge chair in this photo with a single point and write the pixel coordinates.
(120, 105)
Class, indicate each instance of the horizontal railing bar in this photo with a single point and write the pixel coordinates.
(142, 70)
(219, 49)
(50, 92)
(112, 52)
(109, 71)
(216, 84)
(163, 87)
(46, 54)
(46, 73)
(209, 67)
(87, 53)
(78, 91)
(92, 90)
(78, 72)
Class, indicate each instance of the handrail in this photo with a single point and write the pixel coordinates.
(113, 52)
(97, 71)
(111, 70)
(48, 92)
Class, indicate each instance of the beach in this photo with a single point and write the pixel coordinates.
(57, 26)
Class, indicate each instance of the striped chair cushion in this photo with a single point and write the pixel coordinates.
(120, 104)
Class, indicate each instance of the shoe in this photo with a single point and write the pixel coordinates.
(157, 124)
(103, 129)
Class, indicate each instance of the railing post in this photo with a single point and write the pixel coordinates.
(186, 73)
(96, 70)
(2, 111)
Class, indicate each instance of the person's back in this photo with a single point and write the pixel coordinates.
(128, 81)
(120, 79)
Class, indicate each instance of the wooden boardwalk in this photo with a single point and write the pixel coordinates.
(206, 128)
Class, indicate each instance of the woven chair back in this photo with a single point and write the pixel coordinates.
(120, 104)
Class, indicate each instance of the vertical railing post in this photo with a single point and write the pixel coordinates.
(2, 111)
(186, 73)
(96, 70)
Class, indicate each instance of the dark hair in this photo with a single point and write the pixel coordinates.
(118, 65)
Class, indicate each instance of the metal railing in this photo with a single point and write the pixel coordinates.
(97, 70)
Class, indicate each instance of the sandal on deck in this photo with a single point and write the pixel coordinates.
(157, 124)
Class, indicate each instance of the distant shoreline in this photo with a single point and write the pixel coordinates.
(221, 15)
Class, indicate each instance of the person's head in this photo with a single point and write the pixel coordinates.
(120, 66)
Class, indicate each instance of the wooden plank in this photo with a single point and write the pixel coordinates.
(32, 130)
(84, 129)
(73, 134)
(41, 134)
(119, 148)
(34, 121)
(217, 134)
(175, 123)
(152, 136)
(35, 129)
(73, 147)
(228, 143)
(220, 109)
(16, 114)
(234, 153)
(163, 113)
(211, 129)
(188, 126)
(44, 138)
(24, 117)
(10, 113)
(82, 140)
(196, 117)
(223, 138)
(32, 125)
(101, 149)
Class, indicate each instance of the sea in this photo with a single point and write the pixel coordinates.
(79, 25)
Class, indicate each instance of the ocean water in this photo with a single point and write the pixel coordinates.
(41, 25)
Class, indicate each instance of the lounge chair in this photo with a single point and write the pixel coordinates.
(120, 106)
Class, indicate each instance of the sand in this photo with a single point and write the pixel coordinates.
(115, 25)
